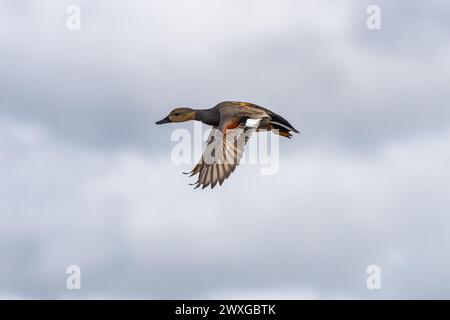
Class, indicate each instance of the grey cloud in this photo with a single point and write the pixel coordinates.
(317, 64)
(87, 178)
(112, 214)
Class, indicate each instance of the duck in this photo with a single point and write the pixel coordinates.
(232, 124)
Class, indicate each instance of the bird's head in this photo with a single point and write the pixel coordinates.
(178, 115)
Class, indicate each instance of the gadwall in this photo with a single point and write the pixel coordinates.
(238, 118)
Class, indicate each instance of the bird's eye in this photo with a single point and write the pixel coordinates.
(176, 114)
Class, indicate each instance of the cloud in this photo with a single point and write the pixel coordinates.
(87, 178)
(136, 228)
(314, 62)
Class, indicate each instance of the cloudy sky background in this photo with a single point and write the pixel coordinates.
(87, 178)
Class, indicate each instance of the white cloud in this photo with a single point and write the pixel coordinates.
(86, 178)
(136, 228)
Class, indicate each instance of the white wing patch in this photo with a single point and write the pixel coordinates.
(252, 123)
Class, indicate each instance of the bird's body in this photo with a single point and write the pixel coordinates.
(232, 123)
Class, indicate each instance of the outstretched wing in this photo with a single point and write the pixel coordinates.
(223, 151)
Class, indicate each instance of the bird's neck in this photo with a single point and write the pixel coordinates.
(209, 117)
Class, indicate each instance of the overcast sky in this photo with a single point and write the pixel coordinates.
(87, 178)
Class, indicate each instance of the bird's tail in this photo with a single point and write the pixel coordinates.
(282, 129)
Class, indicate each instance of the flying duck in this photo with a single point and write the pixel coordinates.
(232, 123)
